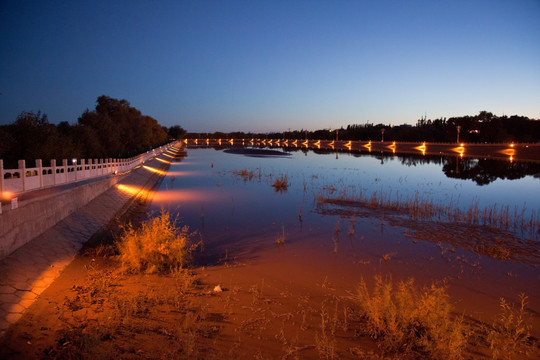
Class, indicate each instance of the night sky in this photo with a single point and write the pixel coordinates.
(271, 65)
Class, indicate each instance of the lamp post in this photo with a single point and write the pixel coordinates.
(74, 161)
(382, 135)
(458, 129)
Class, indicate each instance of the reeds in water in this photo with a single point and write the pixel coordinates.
(281, 184)
(415, 206)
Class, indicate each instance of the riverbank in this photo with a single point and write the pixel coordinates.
(286, 290)
(30, 269)
(231, 307)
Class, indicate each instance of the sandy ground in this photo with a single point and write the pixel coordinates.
(94, 310)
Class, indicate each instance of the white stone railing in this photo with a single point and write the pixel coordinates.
(23, 179)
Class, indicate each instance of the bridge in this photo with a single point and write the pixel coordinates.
(503, 151)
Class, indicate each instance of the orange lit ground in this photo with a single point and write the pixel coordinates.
(95, 311)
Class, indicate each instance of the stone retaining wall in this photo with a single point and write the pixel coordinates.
(33, 217)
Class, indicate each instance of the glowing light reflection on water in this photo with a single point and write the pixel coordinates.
(216, 179)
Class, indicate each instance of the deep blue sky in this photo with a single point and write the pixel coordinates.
(271, 65)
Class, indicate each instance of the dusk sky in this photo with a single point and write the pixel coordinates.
(271, 65)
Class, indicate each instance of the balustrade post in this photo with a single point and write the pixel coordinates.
(75, 168)
(101, 163)
(65, 166)
(1, 179)
(39, 165)
(22, 171)
(53, 167)
(96, 167)
(83, 168)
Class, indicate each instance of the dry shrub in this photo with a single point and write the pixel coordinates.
(510, 333)
(244, 174)
(281, 184)
(157, 246)
(408, 319)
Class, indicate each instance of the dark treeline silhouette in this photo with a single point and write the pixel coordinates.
(484, 127)
(485, 171)
(113, 130)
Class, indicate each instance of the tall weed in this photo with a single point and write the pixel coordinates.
(510, 333)
(157, 246)
(407, 319)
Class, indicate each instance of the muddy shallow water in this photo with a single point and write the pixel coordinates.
(229, 200)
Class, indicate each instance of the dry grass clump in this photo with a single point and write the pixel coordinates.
(244, 174)
(280, 240)
(281, 183)
(157, 246)
(410, 320)
(510, 333)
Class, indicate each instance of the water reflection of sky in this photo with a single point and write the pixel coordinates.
(206, 177)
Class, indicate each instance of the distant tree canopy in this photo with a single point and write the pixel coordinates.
(176, 132)
(113, 130)
(116, 129)
(484, 127)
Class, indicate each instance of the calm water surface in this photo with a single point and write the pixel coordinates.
(209, 177)
(239, 215)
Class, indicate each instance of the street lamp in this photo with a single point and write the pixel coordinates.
(458, 129)
(382, 135)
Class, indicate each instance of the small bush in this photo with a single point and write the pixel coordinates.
(510, 333)
(157, 246)
(407, 319)
(244, 174)
(281, 184)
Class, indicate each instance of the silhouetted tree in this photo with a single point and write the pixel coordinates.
(127, 130)
(114, 129)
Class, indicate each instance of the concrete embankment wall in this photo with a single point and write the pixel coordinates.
(34, 216)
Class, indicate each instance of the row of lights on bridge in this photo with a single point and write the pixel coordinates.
(393, 146)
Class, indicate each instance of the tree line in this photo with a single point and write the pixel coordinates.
(484, 127)
(114, 129)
